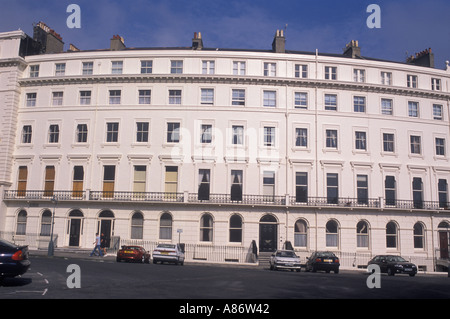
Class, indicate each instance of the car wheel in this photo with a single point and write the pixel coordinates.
(412, 275)
(118, 260)
(336, 271)
(154, 261)
(314, 269)
(390, 272)
(298, 270)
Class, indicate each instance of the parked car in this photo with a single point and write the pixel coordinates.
(171, 253)
(133, 253)
(323, 260)
(392, 264)
(13, 259)
(285, 259)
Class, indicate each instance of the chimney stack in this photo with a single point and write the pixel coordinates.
(352, 49)
(279, 42)
(197, 42)
(49, 40)
(424, 58)
(117, 43)
(73, 48)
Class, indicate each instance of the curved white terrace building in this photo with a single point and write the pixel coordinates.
(218, 148)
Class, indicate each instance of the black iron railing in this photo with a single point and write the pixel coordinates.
(243, 199)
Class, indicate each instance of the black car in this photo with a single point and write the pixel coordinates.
(13, 259)
(392, 265)
(323, 260)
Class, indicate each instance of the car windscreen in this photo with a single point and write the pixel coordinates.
(396, 259)
(325, 254)
(6, 244)
(286, 254)
(131, 248)
(166, 246)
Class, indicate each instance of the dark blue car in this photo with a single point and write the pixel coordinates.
(13, 259)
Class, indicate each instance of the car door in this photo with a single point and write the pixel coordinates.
(383, 264)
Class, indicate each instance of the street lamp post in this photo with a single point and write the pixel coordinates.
(51, 247)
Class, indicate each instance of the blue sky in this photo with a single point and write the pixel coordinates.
(407, 26)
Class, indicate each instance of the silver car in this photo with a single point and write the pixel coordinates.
(285, 259)
(171, 253)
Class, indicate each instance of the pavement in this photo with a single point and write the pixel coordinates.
(70, 253)
(80, 253)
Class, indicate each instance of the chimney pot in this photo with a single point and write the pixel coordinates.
(279, 42)
(117, 43)
(197, 42)
(423, 58)
(352, 49)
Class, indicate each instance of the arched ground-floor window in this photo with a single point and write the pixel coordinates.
(235, 229)
(206, 228)
(165, 226)
(137, 226)
(21, 226)
(46, 223)
(391, 235)
(332, 234)
(300, 233)
(362, 234)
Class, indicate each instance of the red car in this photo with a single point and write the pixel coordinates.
(133, 253)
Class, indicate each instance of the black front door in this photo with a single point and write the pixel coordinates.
(74, 237)
(105, 232)
(267, 237)
(443, 244)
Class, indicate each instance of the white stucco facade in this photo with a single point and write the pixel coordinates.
(328, 152)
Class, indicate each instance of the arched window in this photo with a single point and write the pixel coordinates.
(165, 226)
(106, 214)
(362, 234)
(206, 228)
(332, 236)
(76, 213)
(137, 226)
(46, 223)
(391, 235)
(444, 239)
(300, 233)
(444, 224)
(235, 229)
(419, 235)
(21, 227)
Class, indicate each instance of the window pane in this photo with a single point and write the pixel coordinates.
(236, 185)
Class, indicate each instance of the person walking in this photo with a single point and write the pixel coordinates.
(103, 244)
(97, 244)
